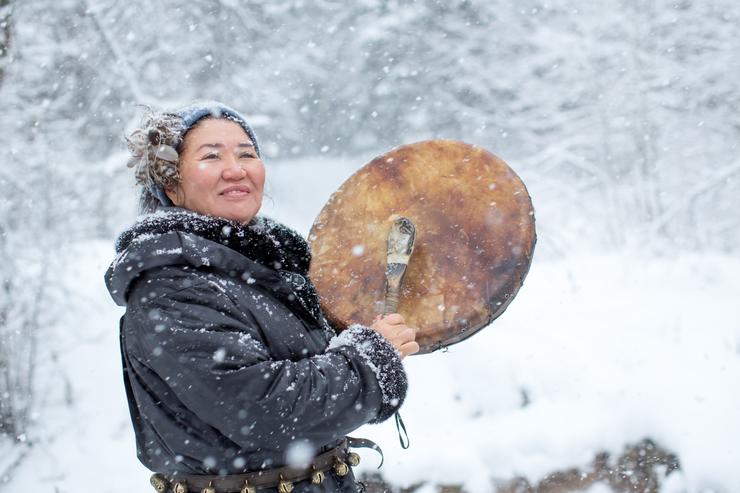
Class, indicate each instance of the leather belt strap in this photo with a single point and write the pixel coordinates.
(270, 478)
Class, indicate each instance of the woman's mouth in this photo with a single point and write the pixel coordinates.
(235, 191)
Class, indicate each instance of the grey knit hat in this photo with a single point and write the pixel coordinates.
(156, 144)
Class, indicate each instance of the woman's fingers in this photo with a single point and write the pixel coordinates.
(407, 334)
(389, 323)
(394, 319)
(409, 348)
(401, 336)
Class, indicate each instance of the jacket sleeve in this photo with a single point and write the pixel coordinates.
(217, 365)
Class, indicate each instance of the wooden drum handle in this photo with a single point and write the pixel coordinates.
(391, 302)
(400, 247)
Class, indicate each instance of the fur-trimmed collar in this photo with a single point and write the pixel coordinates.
(262, 239)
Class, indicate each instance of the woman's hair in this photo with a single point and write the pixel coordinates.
(148, 202)
(156, 146)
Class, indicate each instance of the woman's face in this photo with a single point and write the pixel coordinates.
(221, 174)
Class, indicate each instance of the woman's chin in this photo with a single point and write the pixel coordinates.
(240, 215)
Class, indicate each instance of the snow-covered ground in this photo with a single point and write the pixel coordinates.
(609, 349)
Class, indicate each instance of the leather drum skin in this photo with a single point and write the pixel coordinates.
(475, 235)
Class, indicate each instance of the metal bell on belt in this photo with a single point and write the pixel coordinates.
(159, 482)
(353, 459)
(208, 489)
(317, 477)
(340, 467)
(284, 486)
(248, 488)
(180, 487)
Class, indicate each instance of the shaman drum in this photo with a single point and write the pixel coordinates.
(475, 237)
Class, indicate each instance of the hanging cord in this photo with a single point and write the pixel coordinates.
(366, 443)
(401, 426)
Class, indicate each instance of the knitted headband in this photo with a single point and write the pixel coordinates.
(195, 112)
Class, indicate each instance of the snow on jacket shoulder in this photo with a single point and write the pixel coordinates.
(227, 357)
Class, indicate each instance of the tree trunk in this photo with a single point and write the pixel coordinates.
(5, 31)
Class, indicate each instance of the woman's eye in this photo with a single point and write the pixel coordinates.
(210, 155)
(247, 155)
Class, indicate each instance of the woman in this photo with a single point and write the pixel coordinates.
(229, 365)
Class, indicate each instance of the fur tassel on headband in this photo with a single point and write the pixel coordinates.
(153, 150)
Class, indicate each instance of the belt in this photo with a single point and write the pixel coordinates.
(337, 459)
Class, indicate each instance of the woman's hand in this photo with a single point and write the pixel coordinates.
(393, 328)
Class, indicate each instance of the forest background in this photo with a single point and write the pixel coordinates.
(623, 117)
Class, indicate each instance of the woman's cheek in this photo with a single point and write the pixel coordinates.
(262, 174)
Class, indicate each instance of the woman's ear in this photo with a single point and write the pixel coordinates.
(173, 196)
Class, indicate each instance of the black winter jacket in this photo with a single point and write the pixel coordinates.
(227, 359)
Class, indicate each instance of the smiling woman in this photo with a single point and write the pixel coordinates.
(235, 379)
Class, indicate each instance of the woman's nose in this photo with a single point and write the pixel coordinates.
(233, 170)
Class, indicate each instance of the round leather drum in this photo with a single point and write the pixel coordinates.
(474, 240)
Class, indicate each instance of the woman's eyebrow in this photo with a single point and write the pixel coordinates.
(221, 146)
(209, 145)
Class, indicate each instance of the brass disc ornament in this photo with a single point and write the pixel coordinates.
(475, 237)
